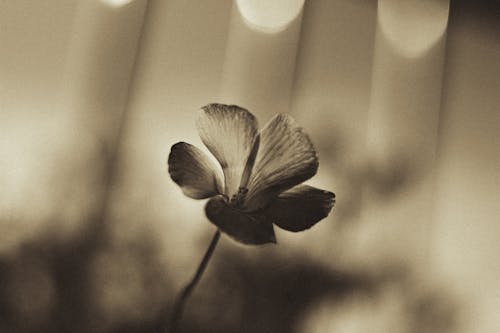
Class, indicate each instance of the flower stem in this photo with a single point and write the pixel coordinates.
(188, 289)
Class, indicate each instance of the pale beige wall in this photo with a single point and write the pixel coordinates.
(466, 241)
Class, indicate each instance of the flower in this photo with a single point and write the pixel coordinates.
(261, 174)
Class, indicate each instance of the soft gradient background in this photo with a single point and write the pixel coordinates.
(95, 237)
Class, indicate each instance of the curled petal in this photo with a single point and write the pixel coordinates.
(230, 133)
(246, 228)
(286, 158)
(191, 169)
(300, 208)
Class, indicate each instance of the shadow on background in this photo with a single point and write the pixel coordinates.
(52, 287)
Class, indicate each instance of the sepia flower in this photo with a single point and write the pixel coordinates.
(261, 174)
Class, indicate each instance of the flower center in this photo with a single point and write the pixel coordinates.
(238, 198)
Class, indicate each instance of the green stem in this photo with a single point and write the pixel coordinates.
(188, 289)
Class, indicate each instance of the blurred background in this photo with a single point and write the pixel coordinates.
(401, 99)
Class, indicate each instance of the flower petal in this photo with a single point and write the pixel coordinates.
(286, 158)
(191, 169)
(300, 208)
(246, 228)
(229, 132)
